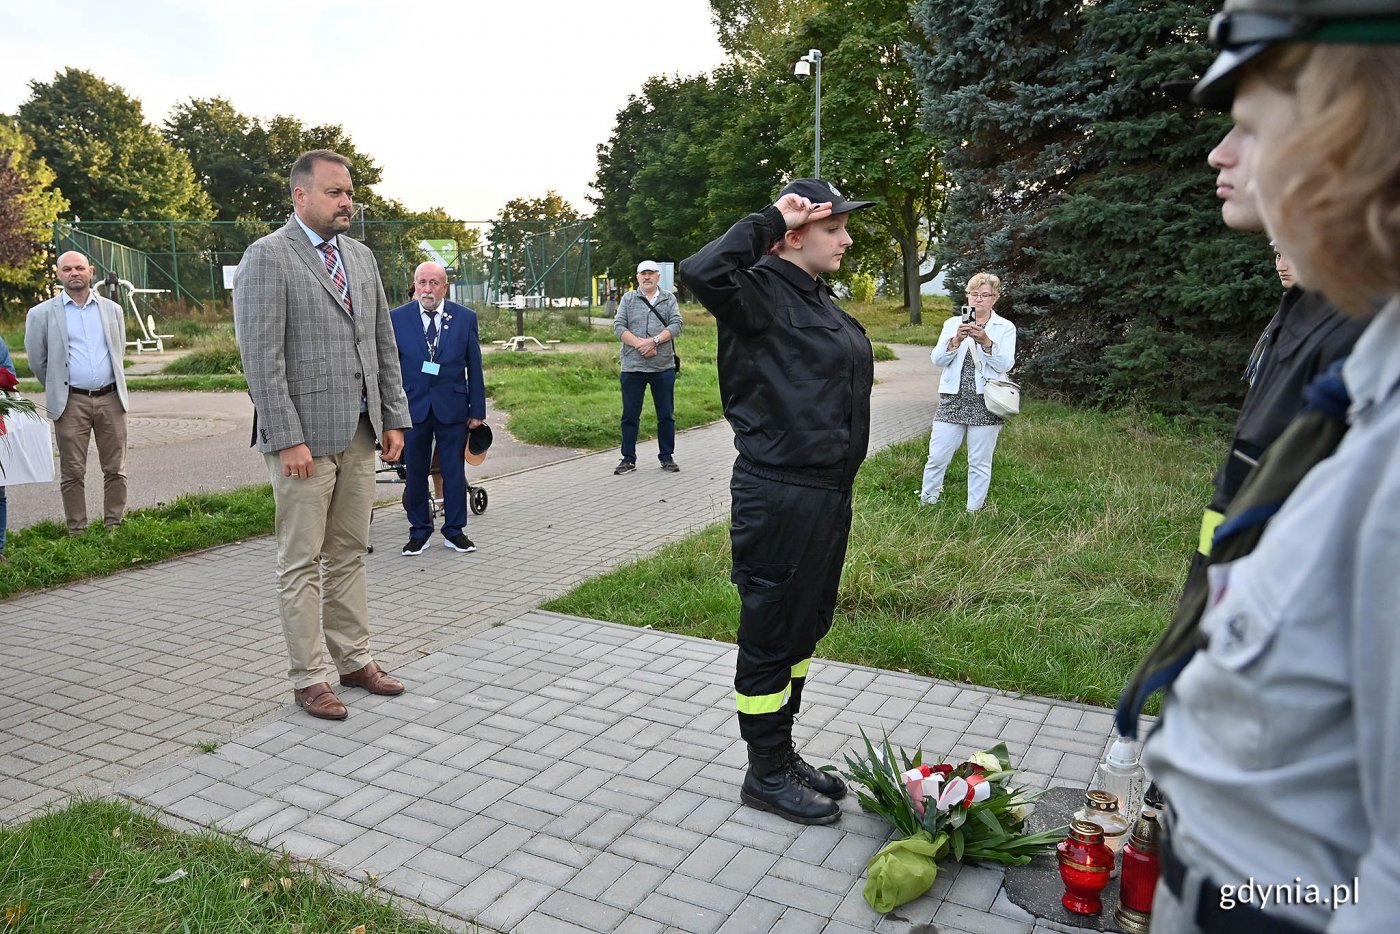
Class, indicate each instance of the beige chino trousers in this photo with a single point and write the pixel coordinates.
(322, 535)
(102, 418)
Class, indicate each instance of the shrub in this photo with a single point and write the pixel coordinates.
(863, 288)
(211, 362)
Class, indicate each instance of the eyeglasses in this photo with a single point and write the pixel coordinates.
(981, 295)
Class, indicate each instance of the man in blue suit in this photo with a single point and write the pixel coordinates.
(440, 353)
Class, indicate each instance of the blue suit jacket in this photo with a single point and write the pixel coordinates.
(458, 391)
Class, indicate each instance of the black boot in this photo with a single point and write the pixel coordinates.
(772, 784)
(827, 783)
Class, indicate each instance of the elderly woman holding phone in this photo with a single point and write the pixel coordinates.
(976, 345)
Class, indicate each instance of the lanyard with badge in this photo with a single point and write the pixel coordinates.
(430, 366)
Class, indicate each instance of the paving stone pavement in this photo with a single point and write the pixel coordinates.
(543, 773)
(558, 774)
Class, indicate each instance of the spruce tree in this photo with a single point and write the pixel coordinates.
(997, 81)
(1166, 301)
(1087, 189)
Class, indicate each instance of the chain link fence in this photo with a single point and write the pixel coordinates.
(543, 265)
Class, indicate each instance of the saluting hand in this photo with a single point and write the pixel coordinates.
(798, 210)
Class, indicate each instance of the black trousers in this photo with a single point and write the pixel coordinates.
(789, 543)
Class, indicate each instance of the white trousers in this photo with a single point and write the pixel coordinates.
(943, 443)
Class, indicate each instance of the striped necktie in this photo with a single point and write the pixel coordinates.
(337, 273)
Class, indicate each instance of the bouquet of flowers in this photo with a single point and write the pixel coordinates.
(965, 810)
(9, 400)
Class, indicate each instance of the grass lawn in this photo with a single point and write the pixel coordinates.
(1057, 588)
(570, 325)
(44, 555)
(98, 867)
(885, 320)
(572, 399)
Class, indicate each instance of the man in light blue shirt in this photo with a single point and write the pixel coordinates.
(76, 342)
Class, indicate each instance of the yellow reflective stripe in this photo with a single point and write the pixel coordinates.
(762, 703)
(1209, 522)
(800, 669)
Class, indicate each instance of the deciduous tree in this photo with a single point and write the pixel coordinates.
(755, 31)
(109, 163)
(537, 245)
(873, 141)
(29, 205)
(686, 158)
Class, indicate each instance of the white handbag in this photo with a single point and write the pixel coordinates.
(26, 449)
(1001, 396)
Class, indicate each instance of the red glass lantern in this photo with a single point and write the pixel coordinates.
(1141, 866)
(1085, 862)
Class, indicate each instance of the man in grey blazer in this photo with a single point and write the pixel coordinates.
(322, 366)
(76, 342)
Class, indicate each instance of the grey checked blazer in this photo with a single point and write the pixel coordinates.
(46, 344)
(304, 356)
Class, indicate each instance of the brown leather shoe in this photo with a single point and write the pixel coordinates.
(320, 701)
(373, 679)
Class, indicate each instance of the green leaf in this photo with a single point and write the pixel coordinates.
(988, 820)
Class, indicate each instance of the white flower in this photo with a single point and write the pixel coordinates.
(1020, 812)
(986, 760)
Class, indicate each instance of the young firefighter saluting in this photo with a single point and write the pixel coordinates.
(795, 374)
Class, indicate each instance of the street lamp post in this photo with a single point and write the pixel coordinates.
(805, 66)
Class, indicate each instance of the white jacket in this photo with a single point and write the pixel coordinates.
(995, 364)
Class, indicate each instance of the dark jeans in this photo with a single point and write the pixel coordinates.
(4, 517)
(663, 396)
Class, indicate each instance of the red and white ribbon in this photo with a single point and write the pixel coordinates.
(928, 782)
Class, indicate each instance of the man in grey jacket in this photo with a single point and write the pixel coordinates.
(323, 370)
(648, 320)
(76, 342)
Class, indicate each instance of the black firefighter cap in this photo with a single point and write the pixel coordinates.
(820, 191)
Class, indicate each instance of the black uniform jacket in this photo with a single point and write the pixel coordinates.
(1301, 341)
(795, 371)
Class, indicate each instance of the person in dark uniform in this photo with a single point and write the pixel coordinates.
(795, 373)
(1302, 340)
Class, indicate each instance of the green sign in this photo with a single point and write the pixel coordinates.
(440, 251)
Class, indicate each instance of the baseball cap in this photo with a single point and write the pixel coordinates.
(820, 191)
(1245, 29)
(478, 441)
(648, 265)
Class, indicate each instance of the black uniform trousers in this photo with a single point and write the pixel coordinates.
(789, 543)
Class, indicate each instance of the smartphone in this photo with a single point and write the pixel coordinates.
(969, 314)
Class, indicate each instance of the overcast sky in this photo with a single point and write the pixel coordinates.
(465, 107)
